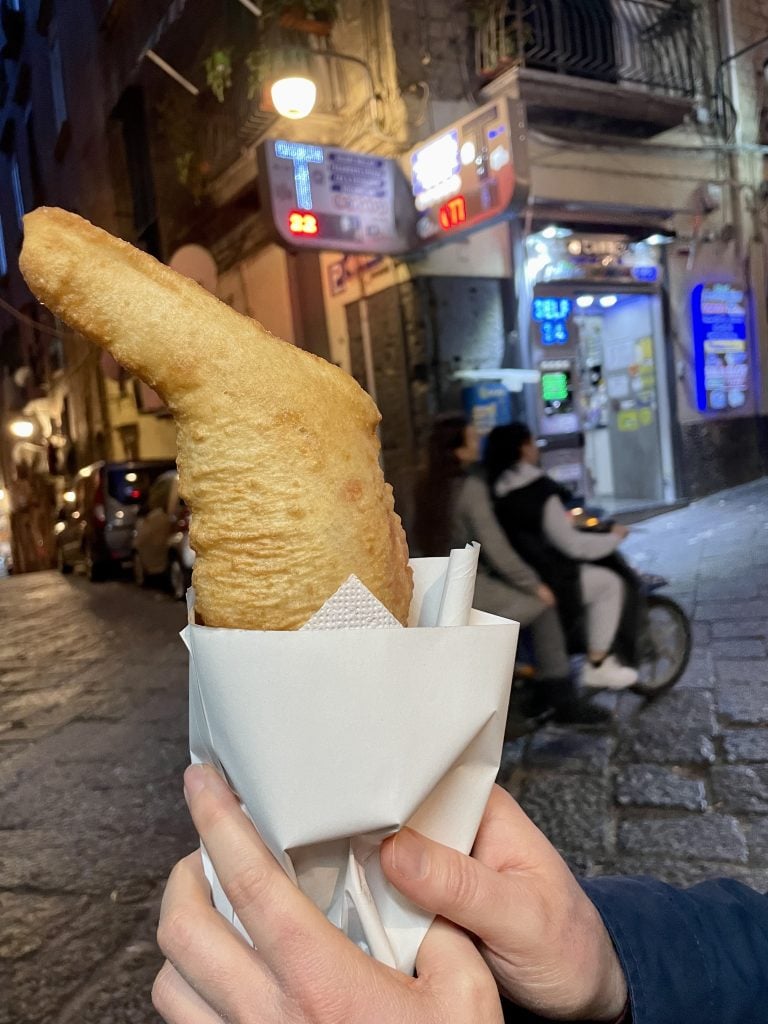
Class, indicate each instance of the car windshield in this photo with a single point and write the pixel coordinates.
(131, 485)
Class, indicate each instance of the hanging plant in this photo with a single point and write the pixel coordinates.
(274, 59)
(218, 72)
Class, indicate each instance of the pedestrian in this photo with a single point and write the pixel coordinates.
(590, 598)
(454, 509)
(610, 950)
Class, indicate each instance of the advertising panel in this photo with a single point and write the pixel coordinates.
(720, 347)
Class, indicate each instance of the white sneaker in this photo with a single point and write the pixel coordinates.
(610, 675)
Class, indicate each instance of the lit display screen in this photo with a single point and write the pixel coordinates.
(321, 197)
(302, 223)
(551, 314)
(720, 349)
(435, 170)
(554, 387)
(453, 213)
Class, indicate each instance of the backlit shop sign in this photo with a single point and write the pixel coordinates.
(322, 197)
(471, 174)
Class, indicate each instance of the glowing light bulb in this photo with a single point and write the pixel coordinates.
(294, 97)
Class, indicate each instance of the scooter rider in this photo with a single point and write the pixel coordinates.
(530, 509)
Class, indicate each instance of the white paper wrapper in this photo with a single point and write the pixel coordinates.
(336, 737)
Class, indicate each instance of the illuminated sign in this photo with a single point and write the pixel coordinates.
(453, 213)
(720, 350)
(551, 315)
(472, 174)
(321, 197)
(302, 223)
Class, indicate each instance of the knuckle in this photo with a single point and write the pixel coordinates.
(249, 887)
(475, 988)
(462, 883)
(176, 932)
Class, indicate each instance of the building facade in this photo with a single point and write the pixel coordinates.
(633, 279)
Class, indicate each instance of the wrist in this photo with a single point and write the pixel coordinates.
(609, 1003)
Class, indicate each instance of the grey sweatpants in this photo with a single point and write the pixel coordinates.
(491, 595)
(603, 594)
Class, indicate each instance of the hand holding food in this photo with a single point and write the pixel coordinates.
(303, 970)
(539, 933)
(277, 448)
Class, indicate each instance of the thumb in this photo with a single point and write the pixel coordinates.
(447, 883)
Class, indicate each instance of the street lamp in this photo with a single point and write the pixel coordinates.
(294, 96)
(22, 428)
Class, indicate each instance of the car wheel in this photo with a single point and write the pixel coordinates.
(178, 580)
(139, 575)
(63, 566)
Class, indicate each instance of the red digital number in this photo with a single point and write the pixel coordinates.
(453, 213)
(300, 223)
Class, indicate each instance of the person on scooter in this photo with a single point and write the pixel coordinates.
(529, 507)
(454, 508)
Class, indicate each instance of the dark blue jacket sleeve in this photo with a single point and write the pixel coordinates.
(691, 956)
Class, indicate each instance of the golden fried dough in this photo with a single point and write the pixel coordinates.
(277, 448)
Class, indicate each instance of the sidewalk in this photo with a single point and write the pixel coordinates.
(677, 788)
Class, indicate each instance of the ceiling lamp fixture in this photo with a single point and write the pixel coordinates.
(294, 97)
(606, 301)
(585, 301)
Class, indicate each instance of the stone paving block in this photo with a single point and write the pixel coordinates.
(715, 837)
(744, 705)
(570, 750)
(714, 611)
(742, 670)
(701, 633)
(740, 789)
(699, 673)
(686, 709)
(574, 813)
(757, 838)
(682, 873)
(746, 745)
(670, 744)
(641, 785)
(743, 648)
(728, 589)
(732, 628)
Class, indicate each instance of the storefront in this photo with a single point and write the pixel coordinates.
(597, 335)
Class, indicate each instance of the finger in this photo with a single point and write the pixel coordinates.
(507, 839)
(177, 1003)
(495, 907)
(449, 963)
(285, 926)
(205, 949)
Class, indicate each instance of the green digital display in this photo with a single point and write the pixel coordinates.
(554, 387)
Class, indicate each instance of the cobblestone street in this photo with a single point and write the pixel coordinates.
(93, 744)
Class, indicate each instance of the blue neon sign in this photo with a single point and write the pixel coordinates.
(301, 154)
(551, 314)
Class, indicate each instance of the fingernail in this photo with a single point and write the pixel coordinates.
(195, 779)
(409, 855)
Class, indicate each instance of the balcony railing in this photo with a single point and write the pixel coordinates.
(650, 44)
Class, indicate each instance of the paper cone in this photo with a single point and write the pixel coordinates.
(335, 739)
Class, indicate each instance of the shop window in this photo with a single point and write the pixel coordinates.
(3, 258)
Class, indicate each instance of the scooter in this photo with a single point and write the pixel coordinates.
(663, 647)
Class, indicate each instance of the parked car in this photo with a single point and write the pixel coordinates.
(161, 542)
(96, 524)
